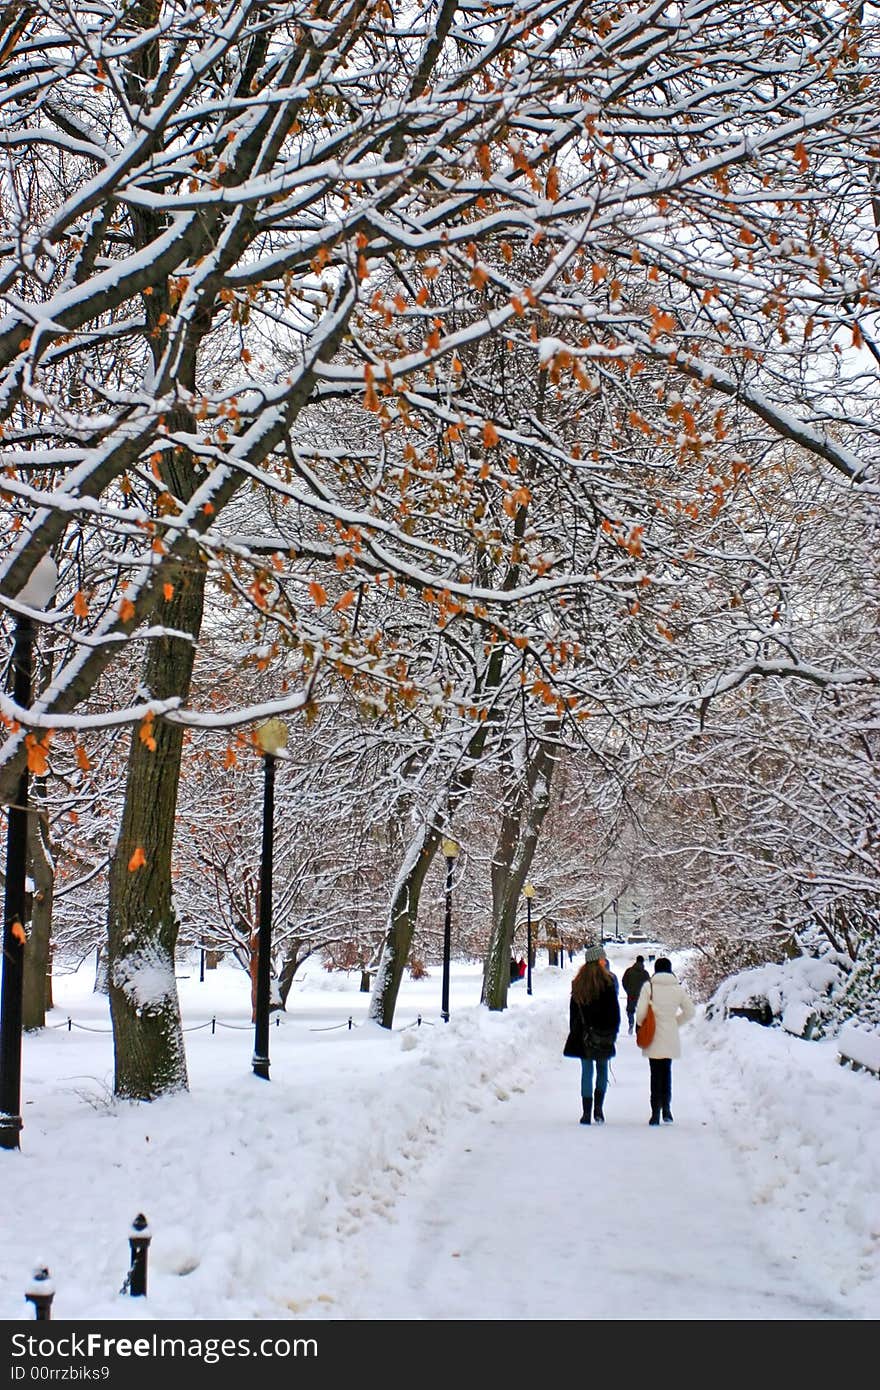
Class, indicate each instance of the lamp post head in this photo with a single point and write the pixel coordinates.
(450, 849)
(529, 890)
(272, 737)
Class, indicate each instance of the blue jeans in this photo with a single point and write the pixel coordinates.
(587, 1075)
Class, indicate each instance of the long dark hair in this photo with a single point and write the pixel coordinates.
(592, 978)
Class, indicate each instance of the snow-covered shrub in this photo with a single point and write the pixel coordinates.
(798, 995)
(861, 997)
(711, 965)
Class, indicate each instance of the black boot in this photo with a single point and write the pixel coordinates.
(588, 1107)
(655, 1117)
(667, 1114)
(598, 1114)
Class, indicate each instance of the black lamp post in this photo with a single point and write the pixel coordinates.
(272, 738)
(528, 894)
(450, 853)
(37, 593)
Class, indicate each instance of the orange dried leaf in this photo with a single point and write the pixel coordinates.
(137, 860)
(491, 437)
(36, 753)
(318, 593)
(345, 601)
(126, 610)
(80, 604)
(145, 733)
(371, 400)
(82, 758)
(18, 933)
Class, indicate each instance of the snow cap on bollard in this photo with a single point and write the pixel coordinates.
(40, 1291)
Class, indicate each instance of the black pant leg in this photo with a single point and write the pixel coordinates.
(657, 1083)
(661, 1082)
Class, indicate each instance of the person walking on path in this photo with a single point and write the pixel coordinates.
(633, 979)
(593, 1024)
(672, 1007)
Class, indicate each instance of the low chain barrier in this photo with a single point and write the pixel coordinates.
(212, 1023)
(215, 1023)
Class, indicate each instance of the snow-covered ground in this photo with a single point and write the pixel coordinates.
(438, 1171)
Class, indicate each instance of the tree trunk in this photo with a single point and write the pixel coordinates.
(521, 820)
(402, 920)
(102, 977)
(37, 986)
(142, 926)
(404, 908)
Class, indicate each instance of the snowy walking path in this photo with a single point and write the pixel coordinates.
(524, 1213)
(439, 1172)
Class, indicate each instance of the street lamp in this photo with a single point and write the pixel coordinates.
(38, 592)
(450, 853)
(528, 894)
(272, 738)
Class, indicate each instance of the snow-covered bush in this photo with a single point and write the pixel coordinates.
(715, 962)
(799, 995)
(861, 997)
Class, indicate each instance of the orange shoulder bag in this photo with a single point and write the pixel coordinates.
(647, 1028)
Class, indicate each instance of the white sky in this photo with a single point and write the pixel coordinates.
(440, 1172)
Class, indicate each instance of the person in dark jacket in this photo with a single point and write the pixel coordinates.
(633, 980)
(593, 1024)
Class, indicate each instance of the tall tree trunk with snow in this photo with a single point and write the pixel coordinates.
(102, 981)
(525, 807)
(402, 916)
(142, 925)
(37, 988)
(404, 907)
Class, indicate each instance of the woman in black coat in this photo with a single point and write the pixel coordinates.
(593, 1023)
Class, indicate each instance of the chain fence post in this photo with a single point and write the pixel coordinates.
(139, 1241)
(40, 1292)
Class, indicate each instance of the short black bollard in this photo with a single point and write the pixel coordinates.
(40, 1292)
(349, 1023)
(139, 1240)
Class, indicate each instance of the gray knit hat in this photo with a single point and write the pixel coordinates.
(595, 953)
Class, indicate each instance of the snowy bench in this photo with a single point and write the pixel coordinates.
(858, 1049)
(755, 1013)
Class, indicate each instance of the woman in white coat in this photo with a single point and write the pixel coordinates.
(672, 1007)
